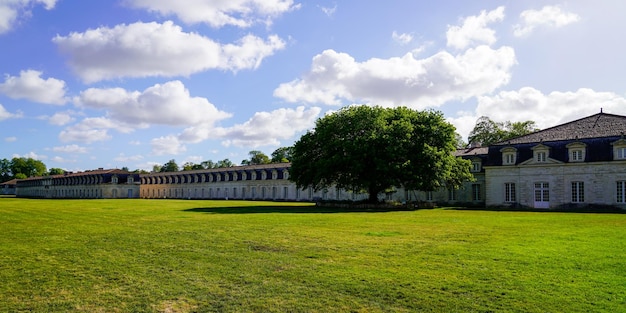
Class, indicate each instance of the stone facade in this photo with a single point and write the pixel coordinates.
(577, 164)
(105, 184)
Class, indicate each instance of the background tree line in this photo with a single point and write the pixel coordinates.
(21, 168)
(280, 155)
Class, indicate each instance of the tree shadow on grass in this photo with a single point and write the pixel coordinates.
(299, 209)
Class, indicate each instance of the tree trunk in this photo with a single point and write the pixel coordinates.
(373, 195)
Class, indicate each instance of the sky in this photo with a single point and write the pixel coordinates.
(136, 83)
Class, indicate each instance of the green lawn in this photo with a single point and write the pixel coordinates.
(230, 256)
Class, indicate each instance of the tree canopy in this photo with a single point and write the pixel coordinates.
(373, 149)
(256, 157)
(487, 132)
(21, 168)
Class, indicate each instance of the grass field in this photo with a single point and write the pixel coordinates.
(229, 256)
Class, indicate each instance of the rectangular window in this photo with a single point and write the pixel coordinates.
(509, 192)
(475, 166)
(509, 158)
(577, 155)
(542, 192)
(541, 156)
(578, 191)
(476, 192)
(621, 192)
(451, 194)
(429, 196)
(621, 153)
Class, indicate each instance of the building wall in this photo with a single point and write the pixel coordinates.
(599, 179)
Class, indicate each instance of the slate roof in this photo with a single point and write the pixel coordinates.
(595, 126)
(78, 174)
(10, 183)
(474, 151)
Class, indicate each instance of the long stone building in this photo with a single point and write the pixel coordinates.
(580, 163)
(100, 183)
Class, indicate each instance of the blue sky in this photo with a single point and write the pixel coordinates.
(114, 83)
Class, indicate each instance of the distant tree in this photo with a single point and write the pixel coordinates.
(124, 168)
(374, 149)
(56, 171)
(460, 143)
(27, 166)
(20, 176)
(156, 168)
(188, 166)
(282, 155)
(517, 129)
(207, 164)
(258, 157)
(170, 166)
(224, 163)
(487, 132)
(5, 170)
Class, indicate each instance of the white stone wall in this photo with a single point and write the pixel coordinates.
(599, 181)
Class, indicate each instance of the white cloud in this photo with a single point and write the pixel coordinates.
(93, 129)
(417, 83)
(241, 13)
(153, 49)
(11, 10)
(70, 149)
(29, 85)
(60, 119)
(4, 114)
(474, 30)
(546, 110)
(165, 104)
(264, 128)
(59, 159)
(31, 155)
(548, 16)
(403, 38)
(268, 128)
(167, 145)
(128, 158)
(10, 139)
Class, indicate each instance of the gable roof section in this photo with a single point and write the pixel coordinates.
(594, 126)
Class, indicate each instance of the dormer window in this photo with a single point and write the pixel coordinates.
(541, 153)
(541, 156)
(509, 156)
(576, 155)
(114, 179)
(576, 151)
(475, 166)
(619, 149)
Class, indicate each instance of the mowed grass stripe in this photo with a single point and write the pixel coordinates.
(240, 256)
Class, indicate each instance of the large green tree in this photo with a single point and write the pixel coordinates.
(487, 132)
(373, 149)
(27, 167)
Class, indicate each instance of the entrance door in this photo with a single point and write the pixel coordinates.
(542, 195)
